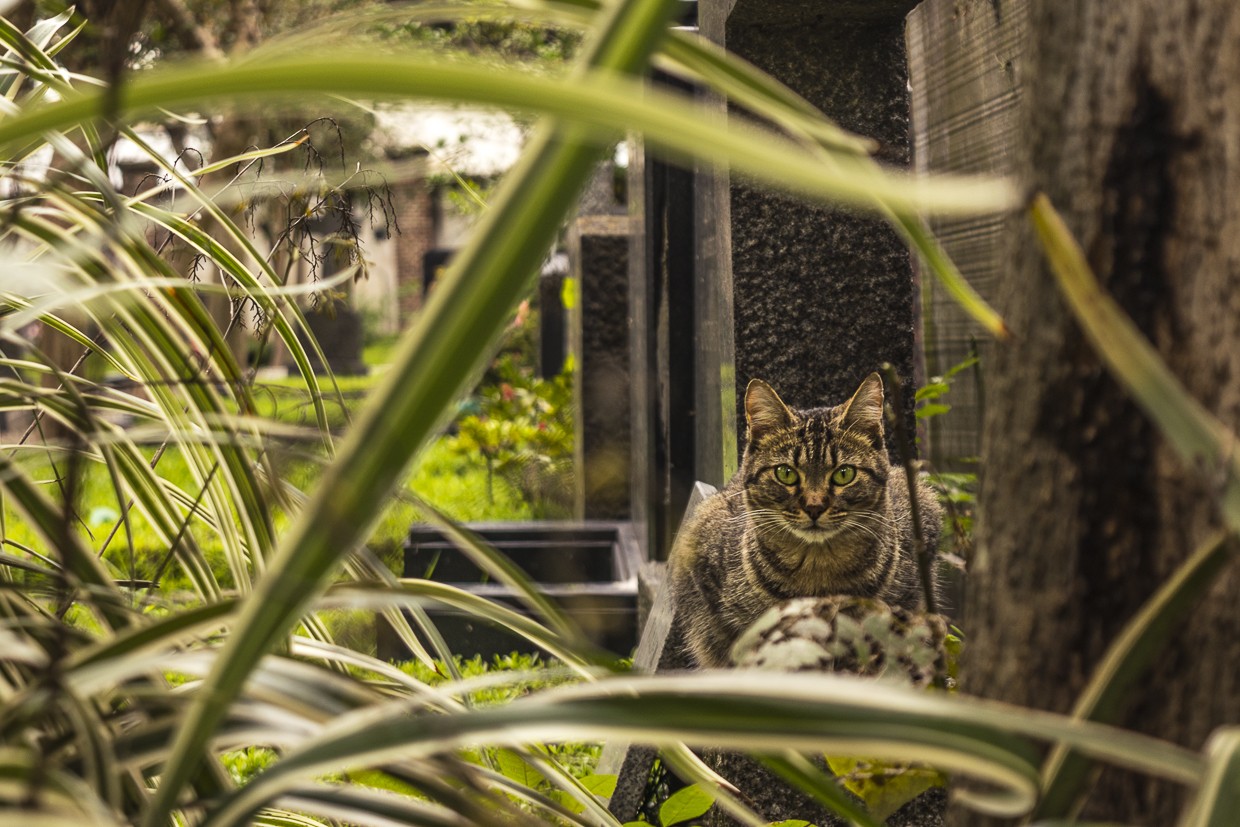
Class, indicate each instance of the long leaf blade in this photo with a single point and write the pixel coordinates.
(1066, 774)
(600, 102)
(1218, 799)
(1194, 432)
(435, 359)
(802, 712)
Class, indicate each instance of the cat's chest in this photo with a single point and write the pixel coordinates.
(807, 570)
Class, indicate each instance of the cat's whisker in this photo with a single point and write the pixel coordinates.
(861, 528)
(875, 520)
(879, 526)
(766, 518)
(875, 526)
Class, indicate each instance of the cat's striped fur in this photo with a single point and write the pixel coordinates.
(815, 509)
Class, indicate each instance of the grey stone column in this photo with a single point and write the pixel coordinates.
(815, 297)
(598, 248)
(818, 296)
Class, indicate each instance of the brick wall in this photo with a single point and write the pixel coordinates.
(414, 214)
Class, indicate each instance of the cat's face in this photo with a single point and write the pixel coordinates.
(816, 474)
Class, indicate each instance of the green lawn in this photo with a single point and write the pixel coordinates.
(453, 482)
(446, 476)
(443, 477)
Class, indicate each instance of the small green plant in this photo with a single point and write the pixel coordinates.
(244, 764)
(957, 490)
(522, 431)
(884, 787)
(930, 397)
(681, 807)
(958, 493)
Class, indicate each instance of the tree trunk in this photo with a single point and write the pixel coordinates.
(1133, 124)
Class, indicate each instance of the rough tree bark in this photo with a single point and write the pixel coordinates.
(1133, 129)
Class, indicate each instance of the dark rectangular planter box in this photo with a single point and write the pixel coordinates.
(588, 568)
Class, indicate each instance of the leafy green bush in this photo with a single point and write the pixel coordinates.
(523, 432)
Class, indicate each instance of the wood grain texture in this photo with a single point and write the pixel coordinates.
(964, 61)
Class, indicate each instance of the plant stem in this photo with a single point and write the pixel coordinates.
(490, 481)
(905, 449)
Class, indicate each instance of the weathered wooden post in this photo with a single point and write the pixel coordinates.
(964, 63)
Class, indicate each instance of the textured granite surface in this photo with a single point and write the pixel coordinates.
(822, 296)
(603, 377)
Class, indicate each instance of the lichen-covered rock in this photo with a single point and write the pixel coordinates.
(869, 638)
(851, 635)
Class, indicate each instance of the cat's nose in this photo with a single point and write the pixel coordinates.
(814, 510)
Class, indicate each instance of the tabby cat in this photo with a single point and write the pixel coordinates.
(815, 509)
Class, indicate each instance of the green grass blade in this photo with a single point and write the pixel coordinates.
(365, 567)
(280, 313)
(932, 255)
(30, 45)
(1197, 436)
(1218, 798)
(342, 655)
(1066, 775)
(436, 358)
(413, 593)
(598, 101)
(362, 806)
(162, 635)
(155, 499)
(63, 800)
(68, 330)
(75, 557)
(40, 568)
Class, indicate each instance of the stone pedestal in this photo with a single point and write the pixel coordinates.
(819, 297)
(338, 331)
(598, 250)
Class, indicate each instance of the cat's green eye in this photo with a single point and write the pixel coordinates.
(844, 475)
(786, 474)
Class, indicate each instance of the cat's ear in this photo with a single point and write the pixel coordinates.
(764, 410)
(864, 412)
